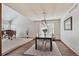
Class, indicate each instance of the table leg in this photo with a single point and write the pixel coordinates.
(35, 43)
(50, 44)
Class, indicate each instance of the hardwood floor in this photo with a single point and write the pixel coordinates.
(63, 49)
(20, 51)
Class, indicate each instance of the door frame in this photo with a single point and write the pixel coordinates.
(0, 29)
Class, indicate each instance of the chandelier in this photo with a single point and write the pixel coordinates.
(44, 22)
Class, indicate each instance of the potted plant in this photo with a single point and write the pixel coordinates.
(45, 30)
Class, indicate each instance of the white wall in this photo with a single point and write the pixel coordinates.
(35, 28)
(21, 23)
(71, 37)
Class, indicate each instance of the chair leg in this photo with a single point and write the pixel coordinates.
(42, 44)
(45, 44)
(8, 37)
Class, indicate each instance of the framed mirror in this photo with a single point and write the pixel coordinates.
(68, 24)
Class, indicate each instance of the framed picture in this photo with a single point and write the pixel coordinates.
(68, 24)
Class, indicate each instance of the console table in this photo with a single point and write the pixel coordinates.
(44, 38)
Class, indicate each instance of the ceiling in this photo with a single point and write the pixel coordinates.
(34, 11)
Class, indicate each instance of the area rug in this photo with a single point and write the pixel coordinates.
(55, 51)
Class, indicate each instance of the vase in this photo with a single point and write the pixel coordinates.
(44, 34)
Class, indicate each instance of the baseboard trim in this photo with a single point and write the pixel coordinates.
(70, 48)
